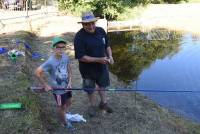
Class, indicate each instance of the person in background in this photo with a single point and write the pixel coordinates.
(59, 71)
(94, 54)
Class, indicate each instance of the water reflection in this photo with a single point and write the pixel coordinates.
(134, 51)
(170, 64)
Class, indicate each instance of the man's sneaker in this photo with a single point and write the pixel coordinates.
(92, 111)
(104, 106)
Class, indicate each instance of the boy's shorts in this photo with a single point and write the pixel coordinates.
(102, 81)
(62, 98)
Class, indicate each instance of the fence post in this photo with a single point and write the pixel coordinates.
(2, 25)
(27, 8)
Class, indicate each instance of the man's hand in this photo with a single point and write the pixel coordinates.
(111, 60)
(104, 60)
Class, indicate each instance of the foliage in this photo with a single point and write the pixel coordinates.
(174, 1)
(111, 9)
(1, 3)
(74, 6)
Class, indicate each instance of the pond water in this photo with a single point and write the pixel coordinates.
(160, 60)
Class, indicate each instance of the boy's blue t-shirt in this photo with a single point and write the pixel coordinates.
(57, 71)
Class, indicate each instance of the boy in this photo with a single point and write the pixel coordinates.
(59, 71)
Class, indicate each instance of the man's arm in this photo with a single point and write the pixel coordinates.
(109, 53)
(89, 59)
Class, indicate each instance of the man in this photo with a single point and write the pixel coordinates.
(94, 54)
(59, 70)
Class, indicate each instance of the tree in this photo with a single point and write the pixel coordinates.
(110, 9)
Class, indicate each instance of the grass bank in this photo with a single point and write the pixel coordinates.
(15, 78)
(134, 113)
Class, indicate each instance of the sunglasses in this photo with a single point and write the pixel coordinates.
(89, 23)
(61, 47)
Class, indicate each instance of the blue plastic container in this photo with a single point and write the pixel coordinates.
(3, 50)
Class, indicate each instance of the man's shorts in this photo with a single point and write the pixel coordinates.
(102, 81)
(62, 98)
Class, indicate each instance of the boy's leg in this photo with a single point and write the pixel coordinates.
(62, 111)
(68, 104)
(64, 102)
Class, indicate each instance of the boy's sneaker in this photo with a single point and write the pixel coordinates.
(104, 106)
(92, 111)
(69, 126)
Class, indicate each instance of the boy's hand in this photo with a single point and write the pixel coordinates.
(47, 88)
(69, 86)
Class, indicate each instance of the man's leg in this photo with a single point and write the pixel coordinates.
(102, 94)
(89, 86)
(91, 98)
(102, 82)
(103, 105)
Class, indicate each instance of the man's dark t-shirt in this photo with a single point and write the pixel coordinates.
(94, 45)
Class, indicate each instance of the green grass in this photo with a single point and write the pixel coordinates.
(29, 119)
(26, 119)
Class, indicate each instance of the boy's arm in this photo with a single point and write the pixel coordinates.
(40, 75)
(69, 70)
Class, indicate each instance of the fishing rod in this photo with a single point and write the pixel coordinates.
(42, 89)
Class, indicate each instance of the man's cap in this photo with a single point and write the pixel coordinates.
(57, 40)
(87, 17)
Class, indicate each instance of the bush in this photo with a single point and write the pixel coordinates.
(110, 9)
